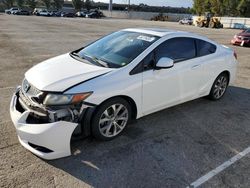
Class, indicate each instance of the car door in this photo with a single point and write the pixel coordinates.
(167, 87)
(210, 61)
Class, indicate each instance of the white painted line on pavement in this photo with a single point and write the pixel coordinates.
(219, 169)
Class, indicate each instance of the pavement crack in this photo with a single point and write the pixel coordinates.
(9, 146)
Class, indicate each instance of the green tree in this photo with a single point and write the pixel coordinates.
(232, 7)
(207, 5)
(58, 4)
(198, 7)
(244, 8)
(218, 7)
(88, 4)
(31, 3)
(47, 3)
(20, 3)
(8, 3)
(77, 4)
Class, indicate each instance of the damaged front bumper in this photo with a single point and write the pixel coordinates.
(48, 140)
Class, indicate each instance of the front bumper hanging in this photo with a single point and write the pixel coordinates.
(48, 140)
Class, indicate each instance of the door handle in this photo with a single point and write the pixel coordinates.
(195, 66)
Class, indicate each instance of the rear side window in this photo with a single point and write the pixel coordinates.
(204, 48)
(178, 49)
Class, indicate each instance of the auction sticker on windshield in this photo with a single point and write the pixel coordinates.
(146, 38)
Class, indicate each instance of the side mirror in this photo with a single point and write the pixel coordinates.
(164, 63)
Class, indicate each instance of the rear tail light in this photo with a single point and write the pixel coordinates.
(235, 55)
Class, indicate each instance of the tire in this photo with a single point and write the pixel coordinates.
(200, 24)
(211, 24)
(219, 87)
(105, 124)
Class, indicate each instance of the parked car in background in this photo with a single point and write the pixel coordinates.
(94, 14)
(23, 12)
(98, 89)
(186, 21)
(54, 12)
(44, 13)
(12, 10)
(57, 13)
(242, 38)
(239, 26)
(81, 13)
(36, 10)
(68, 14)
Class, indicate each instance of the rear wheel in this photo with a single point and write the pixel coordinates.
(219, 87)
(200, 24)
(211, 24)
(111, 118)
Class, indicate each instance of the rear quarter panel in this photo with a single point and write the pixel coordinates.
(222, 60)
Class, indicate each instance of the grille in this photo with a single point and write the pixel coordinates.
(246, 38)
(29, 89)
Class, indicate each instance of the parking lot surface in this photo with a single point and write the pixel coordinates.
(170, 148)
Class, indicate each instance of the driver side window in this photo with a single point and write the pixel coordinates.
(178, 49)
(148, 63)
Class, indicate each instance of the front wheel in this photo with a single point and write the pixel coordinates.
(111, 118)
(211, 24)
(200, 24)
(219, 87)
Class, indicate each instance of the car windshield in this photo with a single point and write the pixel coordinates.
(117, 49)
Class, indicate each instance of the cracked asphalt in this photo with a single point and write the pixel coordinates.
(170, 148)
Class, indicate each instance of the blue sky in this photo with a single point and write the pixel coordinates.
(174, 3)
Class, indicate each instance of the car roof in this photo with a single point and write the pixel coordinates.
(160, 32)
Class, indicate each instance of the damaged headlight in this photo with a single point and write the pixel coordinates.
(61, 99)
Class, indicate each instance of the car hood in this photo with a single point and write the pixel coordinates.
(62, 72)
(244, 34)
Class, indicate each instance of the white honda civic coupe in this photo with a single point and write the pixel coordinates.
(98, 89)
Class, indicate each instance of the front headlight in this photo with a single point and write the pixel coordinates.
(60, 99)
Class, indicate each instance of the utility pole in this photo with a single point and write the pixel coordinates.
(110, 5)
(128, 5)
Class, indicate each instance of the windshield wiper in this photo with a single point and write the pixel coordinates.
(92, 60)
(96, 60)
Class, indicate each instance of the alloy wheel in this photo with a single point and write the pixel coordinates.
(113, 120)
(220, 87)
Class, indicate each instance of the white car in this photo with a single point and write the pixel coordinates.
(44, 13)
(12, 10)
(100, 88)
(81, 13)
(186, 21)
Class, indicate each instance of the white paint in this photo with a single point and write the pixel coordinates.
(219, 169)
(183, 82)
